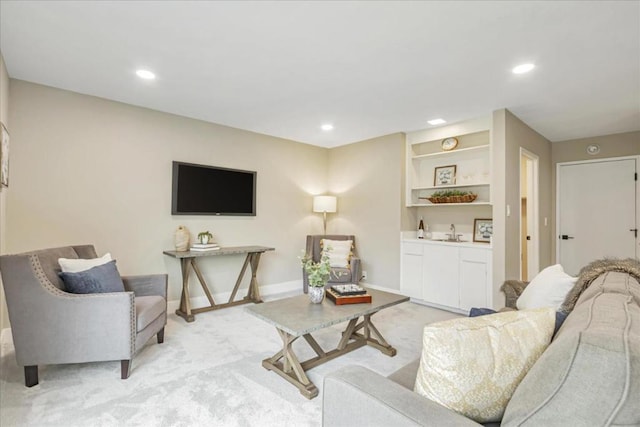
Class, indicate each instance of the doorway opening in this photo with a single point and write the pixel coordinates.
(529, 215)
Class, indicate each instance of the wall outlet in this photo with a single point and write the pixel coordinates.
(364, 275)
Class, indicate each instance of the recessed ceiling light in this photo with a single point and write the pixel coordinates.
(523, 68)
(145, 74)
(436, 122)
(327, 127)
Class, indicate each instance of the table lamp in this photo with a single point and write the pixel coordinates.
(325, 204)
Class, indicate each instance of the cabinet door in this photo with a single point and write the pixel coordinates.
(474, 267)
(411, 270)
(441, 275)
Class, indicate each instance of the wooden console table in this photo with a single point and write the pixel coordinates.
(188, 261)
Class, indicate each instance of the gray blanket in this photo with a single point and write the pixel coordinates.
(592, 271)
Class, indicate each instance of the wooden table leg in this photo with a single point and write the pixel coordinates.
(254, 289)
(185, 303)
(380, 343)
(239, 280)
(202, 282)
(286, 364)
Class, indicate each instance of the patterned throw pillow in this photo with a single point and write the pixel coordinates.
(339, 252)
(473, 365)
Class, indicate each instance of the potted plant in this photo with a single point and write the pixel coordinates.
(318, 274)
(205, 237)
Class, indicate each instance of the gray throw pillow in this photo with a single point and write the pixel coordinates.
(100, 279)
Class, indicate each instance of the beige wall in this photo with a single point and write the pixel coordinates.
(509, 134)
(617, 145)
(368, 178)
(520, 135)
(88, 170)
(498, 198)
(4, 118)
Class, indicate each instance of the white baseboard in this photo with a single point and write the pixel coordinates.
(440, 307)
(381, 288)
(5, 338)
(267, 290)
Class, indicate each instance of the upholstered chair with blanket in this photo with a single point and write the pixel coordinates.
(52, 326)
(344, 269)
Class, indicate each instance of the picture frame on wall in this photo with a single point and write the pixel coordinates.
(444, 175)
(4, 156)
(482, 230)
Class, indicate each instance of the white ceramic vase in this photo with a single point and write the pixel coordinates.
(316, 294)
(181, 239)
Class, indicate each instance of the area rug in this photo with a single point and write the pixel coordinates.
(207, 373)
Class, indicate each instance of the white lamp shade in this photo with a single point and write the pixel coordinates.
(325, 204)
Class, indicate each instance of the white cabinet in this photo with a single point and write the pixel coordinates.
(449, 275)
(411, 269)
(440, 275)
(475, 278)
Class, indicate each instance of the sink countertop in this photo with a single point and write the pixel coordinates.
(468, 244)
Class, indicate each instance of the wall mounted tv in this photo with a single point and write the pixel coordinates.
(211, 190)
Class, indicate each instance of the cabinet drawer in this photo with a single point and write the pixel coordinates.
(412, 248)
(474, 254)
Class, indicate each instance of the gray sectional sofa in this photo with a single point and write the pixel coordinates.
(588, 376)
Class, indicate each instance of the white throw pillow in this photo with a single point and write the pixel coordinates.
(339, 252)
(547, 289)
(473, 365)
(76, 265)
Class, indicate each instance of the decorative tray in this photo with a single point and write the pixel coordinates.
(347, 299)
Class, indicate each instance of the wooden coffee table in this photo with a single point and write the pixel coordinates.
(296, 317)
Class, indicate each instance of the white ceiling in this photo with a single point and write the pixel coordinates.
(370, 68)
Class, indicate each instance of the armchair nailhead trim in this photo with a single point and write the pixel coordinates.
(42, 277)
(132, 313)
(48, 286)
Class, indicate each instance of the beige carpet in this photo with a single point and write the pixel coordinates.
(207, 373)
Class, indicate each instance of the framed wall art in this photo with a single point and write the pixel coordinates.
(482, 230)
(444, 175)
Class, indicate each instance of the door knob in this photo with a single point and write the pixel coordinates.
(565, 237)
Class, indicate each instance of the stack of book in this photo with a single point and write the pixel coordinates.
(201, 247)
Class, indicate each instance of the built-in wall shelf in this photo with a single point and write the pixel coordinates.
(424, 205)
(450, 153)
(443, 187)
(471, 160)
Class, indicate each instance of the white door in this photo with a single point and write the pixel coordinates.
(596, 212)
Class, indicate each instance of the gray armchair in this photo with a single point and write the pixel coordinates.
(50, 326)
(338, 275)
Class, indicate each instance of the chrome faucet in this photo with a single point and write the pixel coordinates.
(453, 237)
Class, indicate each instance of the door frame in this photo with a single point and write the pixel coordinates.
(533, 200)
(598, 160)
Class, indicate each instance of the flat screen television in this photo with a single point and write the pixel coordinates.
(211, 190)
